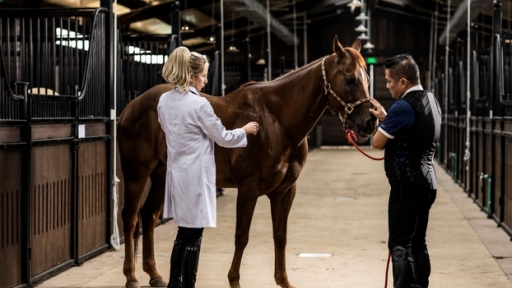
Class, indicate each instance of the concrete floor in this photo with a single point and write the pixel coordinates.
(340, 208)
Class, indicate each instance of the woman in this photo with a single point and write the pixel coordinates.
(191, 128)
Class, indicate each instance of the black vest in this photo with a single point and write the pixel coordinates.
(409, 156)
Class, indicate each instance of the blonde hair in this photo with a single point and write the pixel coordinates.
(180, 64)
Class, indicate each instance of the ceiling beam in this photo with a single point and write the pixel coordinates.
(147, 12)
(459, 18)
(132, 4)
(258, 14)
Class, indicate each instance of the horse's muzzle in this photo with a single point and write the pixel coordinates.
(367, 128)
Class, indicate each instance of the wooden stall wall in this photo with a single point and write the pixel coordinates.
(51, 207)
(11, 211)
(55, 135)
(93, 197)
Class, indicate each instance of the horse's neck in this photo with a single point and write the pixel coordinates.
(299, 98)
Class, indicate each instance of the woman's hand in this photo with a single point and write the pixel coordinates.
(251, 128)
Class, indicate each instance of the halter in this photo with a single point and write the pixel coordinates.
(348, 107)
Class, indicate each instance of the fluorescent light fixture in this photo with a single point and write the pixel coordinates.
(145, 56)
(71, 39)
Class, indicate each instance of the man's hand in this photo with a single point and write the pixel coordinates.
(377, 110)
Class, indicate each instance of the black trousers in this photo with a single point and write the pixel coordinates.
(189, 235)
(408, 212)
(409, 208)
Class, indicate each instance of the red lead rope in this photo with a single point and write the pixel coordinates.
(352, 138)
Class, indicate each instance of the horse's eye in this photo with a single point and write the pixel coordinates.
(350, 81)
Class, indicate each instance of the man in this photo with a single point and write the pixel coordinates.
(408, 133)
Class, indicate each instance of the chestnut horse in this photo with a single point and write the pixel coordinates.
(287, 109)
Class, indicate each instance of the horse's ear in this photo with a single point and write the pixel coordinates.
(337, 48)
(357, 44)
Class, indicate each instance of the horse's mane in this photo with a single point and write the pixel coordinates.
(250, 83)
(358, 60)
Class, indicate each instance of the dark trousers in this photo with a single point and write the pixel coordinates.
(408, 213)
(189, 235)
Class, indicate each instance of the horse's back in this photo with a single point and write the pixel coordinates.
(141, 140)
(146, 103)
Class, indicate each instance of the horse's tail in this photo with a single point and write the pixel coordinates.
(136, 234)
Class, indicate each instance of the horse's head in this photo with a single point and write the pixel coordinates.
(346, 85)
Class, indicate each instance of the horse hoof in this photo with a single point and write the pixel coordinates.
(133, 284)
(157, 282)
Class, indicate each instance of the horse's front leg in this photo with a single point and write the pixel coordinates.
(150, 213)
(280, 205)
(245, 204)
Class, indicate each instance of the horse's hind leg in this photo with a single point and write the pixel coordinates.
(150, 213)
(134, 187)
(280, 205)
(245, 204)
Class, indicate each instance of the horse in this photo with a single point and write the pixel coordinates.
(287, 109)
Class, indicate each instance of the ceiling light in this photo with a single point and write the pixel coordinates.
(210, 40)
(261, 61)
(362, 17)
(186, 29)
(361, 28)
(354, 4)
(363, 36)
(368, 45)
(232, 48)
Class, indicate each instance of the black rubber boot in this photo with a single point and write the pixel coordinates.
(403, 269)
(176, 264)
(421, 268)
(190, 263)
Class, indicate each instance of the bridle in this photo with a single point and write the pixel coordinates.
(349, 107)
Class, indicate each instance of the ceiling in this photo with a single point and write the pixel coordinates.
(242, 17)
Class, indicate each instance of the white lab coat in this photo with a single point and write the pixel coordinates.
(191, 127)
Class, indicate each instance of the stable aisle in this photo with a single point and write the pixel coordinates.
(340, 209)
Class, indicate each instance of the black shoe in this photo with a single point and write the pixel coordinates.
(190, 263)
